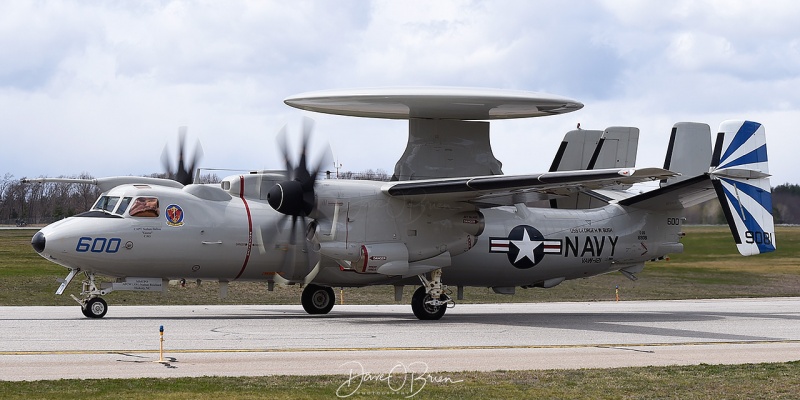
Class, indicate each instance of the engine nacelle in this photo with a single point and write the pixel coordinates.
(380, 258)
(254, 185)
(471, 222)
(383, 258)
(340, 250)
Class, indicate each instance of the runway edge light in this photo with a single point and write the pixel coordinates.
(161, 345)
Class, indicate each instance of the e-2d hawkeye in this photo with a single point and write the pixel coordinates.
(448, 218)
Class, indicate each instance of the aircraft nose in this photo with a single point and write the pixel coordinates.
(38, 242)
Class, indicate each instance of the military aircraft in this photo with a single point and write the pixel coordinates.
(448, 218)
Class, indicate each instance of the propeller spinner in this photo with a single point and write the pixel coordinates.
(295, 198)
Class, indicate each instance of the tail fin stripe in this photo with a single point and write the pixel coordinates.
(726, 209)
(670, 147)
(717, 149)
(743, 218)
(745, 132)
(559, 155)
(596, 153)
(751, 200)
(754, 192)
(736, 205)
(754, 157)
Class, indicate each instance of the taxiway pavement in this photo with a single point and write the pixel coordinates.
(59, 342)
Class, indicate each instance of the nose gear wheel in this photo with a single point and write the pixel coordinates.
(95, 307)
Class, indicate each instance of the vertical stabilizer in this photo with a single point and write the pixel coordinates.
(616, 149)
(583, 149)
(576, 150)
(689, 151)
(740, 175)
(736, 173)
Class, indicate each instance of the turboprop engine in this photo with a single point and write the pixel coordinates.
(457, 234)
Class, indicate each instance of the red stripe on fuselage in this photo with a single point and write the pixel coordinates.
(249, 227)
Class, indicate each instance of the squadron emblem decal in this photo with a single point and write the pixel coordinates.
(174, 214)
(525, 246)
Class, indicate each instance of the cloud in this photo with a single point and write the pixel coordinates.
(481, 44)
(34, 41)
(101, 87)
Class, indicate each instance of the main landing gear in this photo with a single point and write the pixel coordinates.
(317, 299)
(430, 301)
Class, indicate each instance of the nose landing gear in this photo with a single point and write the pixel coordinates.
(95, 307)
(92, 305)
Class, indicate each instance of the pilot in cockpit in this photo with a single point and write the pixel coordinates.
(144, 207)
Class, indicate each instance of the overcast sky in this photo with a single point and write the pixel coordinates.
(102, 86)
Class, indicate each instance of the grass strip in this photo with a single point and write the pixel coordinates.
(749, 381)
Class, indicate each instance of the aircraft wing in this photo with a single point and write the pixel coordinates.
(108, 183)
(512, 189)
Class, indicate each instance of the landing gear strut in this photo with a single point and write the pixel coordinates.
(92, 305)
(430, 301)
(318, 299)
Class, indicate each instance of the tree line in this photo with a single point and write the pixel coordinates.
(43, 203)
(37, 203)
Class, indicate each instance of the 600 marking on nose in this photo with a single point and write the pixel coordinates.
(98, 245)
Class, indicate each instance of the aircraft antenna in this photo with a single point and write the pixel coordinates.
(337, 165)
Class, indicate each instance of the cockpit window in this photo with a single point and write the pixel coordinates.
(144, 207)
(123, 205)
(106, 203)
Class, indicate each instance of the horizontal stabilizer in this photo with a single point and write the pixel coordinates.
(689, 154)
(483, 188)
(684, 194)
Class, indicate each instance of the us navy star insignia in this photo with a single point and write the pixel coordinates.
(525, 246)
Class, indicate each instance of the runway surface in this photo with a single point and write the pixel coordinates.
(58, 342)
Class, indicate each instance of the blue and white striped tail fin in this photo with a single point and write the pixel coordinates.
(740, 176)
